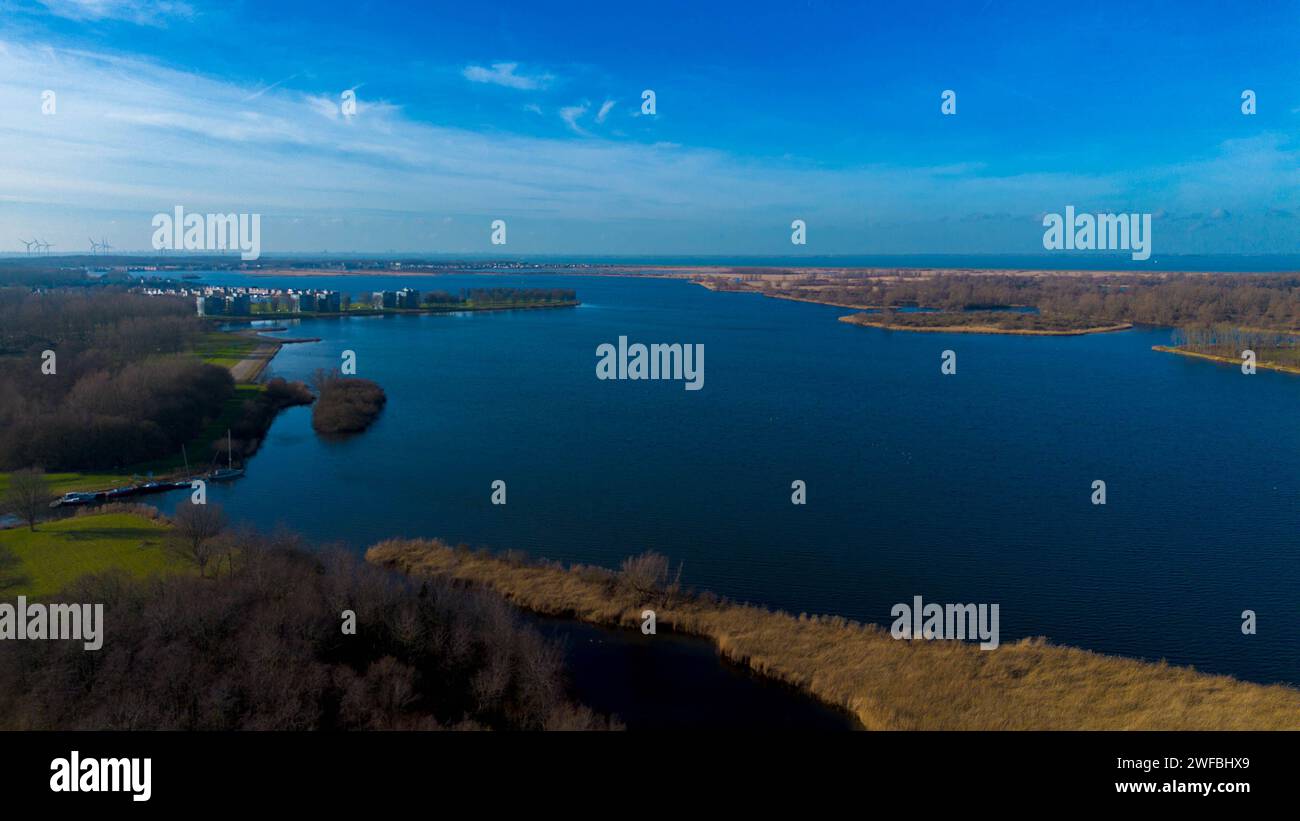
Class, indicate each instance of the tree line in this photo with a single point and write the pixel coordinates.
(495, 296)
(1221, 339)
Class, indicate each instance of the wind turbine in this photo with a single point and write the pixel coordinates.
(28, 244)
(103, 245)
(47, 246)
(94, 247)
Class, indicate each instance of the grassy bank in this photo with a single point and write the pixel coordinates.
(59, 552)
(887, 684)
(225, 348)
(61, 483)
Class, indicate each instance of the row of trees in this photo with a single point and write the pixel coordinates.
(499, 296)
(30, 272)
(1230, 340)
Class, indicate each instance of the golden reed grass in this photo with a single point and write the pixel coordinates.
(885, 683)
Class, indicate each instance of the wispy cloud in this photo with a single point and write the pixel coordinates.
(504, 74)
(265, 89)
(132, 138)
(572, 113)
(140, 12)
(605, 108)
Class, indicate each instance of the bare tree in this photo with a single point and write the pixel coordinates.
(195, 529)
(644, 574)
(29, 495)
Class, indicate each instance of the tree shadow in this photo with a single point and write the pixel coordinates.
(116, 533)
(12, 577)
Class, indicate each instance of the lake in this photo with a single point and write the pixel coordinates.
(974, 487)
(675, 682)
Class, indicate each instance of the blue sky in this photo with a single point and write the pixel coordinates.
(766, 112)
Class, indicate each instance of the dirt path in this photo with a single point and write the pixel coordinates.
(251, 366)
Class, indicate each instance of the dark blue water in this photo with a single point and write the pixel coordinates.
(967, 488)
(676, 682)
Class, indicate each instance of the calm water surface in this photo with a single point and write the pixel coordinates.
(967, 488)
(676, 682)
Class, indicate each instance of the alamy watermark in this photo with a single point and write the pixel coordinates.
(208, 232)
(128, 775)
(946, 621)
(53, 622)
(655, 361)
(1098, 232)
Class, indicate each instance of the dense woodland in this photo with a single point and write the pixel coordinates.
(121, 392)
(261, 645)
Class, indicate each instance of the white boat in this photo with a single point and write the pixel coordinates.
(229, 471)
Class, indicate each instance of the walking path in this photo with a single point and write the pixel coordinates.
(250, 367)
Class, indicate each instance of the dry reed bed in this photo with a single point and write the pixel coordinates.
(885, 683)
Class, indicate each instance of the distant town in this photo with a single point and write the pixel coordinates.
(248, 301)
(216, 300)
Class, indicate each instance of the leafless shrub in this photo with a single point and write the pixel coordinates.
(133, 508)
(194, 533)
(645, 574)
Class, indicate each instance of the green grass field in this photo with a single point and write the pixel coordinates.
(61, 551)
(224, 348)
(61, 483)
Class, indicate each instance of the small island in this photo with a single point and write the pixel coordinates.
(346, 404)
